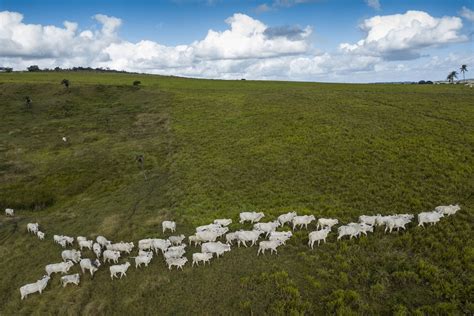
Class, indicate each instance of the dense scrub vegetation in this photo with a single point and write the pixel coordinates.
(215, 148)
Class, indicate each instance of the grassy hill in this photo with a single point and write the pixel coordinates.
(215, 148)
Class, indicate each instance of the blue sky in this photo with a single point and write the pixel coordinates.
(321, 27)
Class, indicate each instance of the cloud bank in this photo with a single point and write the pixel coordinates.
(247, 48)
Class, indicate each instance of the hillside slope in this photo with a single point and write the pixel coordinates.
(215, 148)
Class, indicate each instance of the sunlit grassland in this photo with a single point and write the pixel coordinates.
(216, 148)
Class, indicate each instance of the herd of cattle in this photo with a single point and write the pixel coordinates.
(173, 248)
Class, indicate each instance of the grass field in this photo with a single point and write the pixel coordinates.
(215, 148)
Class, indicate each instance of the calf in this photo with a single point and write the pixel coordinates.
(169, 225)
(31, 288)
(9, 212)
(143, 260)
(111, 255)
(97, 249)
(72, 278)
(40, 235)
(204, 257)
(102, 241)
(62, 267)
(251, 217)
(326, 222)
(119, 269)
(318, 236)
(178, 262)
(73, 255)
(91, 265)
(193, 239)
(302, 221)
(268, 244)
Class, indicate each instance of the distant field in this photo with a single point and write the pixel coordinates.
(215, 148)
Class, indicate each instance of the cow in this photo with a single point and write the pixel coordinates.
(302, 221)
(40, 235)
(267, 228)
(178, 262)
(268, 244)
(97, 249)
(169, 225)
(73, 255)
(286, 218)
(86, 244)
(215, 247)
(429, 217)
(281, 236)
(251, 217)
(31, 288)
(176, 240)
(318, 236)
(62, 267)
(71, 278)
(447, 209)
(9, 212)
(32, 227)
(347, 230)
(143, 260)
(326, 222)
(111, 255)
(102, 241)
(119, 269)
(91, 265)
(199, 256)
(223, 221)
(247, 235)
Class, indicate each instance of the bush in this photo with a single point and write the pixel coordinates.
(136, 83)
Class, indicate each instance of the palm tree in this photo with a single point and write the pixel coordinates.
(463, 69)
(451, 76)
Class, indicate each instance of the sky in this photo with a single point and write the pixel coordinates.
(300, 40)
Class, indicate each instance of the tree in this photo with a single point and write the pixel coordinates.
(65, 82)
(136, 83)
(452, 75)
(463, 69)
(33, 68)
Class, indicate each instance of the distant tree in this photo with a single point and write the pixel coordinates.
(136, 83)
(8, 69)
(421, 82)
(65, 82)
(33, 68)
(452, 75)
(57, 69)
(463, 69)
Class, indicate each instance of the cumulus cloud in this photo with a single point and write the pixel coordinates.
(246, 48)
(403, 36)
(375, 4)
(467, 14)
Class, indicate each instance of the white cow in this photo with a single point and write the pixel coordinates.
(199, 256)
(318, 236)
(62, 267)
(223, 221)
(86, 244)
(268, 244)
(247, 235)
(215, 247)
(111, 255)
(174, 253)
(209, 227)
(102, 241)
(71, 278)
(145, 259)
(97, 249)
(69, 240)
(207, 236)
(31, 288)
(267, 228)
(302, 221)
(169, 225)
(91, 265)
(60, 241)
(193, 239)
(448, 209)
(73, 255)
(281, 236)
(369, 220)
(32, 227)
(161, 244)
(230, 237)
(145, 244)
(178, 262)
(362, 228)
(347, 230)
(80, 238)
(9, 212)
(326, 222)
(286, 218)
(121, 246)
(397, 221)
(119, 269)
(176, 240)
(251, 217)
(429, 217)
(40, 235)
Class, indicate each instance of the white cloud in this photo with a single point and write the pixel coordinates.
(467, 14)
(248, 48)
(375, 4)
(403, 36)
